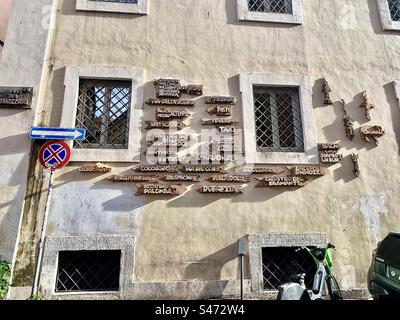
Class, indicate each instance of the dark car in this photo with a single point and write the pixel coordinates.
(384, 273)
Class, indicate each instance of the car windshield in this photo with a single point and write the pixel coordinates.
(389, 250)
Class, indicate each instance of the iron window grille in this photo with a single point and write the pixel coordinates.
(88, 271)
(281, 263)
(104, 111)
(278, 119)
(394, 7)
(271, 6)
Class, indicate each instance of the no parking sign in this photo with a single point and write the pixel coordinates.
(54, 155)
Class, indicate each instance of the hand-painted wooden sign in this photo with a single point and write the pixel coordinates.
(230, 178)
(158, 189)
(220, 100)
(263, 170)
(169, 160)
(328, 146)
(169, 137)
(220, 111)
(167, 114)
(281, 182)
(170, 102)
(220, 189)
(161, 152)
(180, 178)
(172, 88)
(215, 157)
(369, 133)
(228, 129)
(92, 168)
(330, 157)
(308, 171)
(133, 178)
(156, 168)
(227, 147)
(15, 97)
(179, 125)
(218, 121)
(203, 169)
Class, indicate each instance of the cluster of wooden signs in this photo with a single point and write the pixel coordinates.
(147, 181)
(329, 153)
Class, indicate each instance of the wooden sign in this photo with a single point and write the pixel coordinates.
(308, 171)
(331, 157)
(227, 147)
(220, 111)
(165, 144)
(164, 160)
(230, 178)
(193, 89)
(167, 114)
(179, 125)
(203, 169)
(161, 152)
(158, 189)
(369, 133)
(180, 178)
(218, 121)
(15, 97)
(94, 168)
(170, 102)
(172, 88)
(328, 146)
(215, 157)
(220, 100)
(220, 189)
(133, 178)
(168, 88)
(169, 137)
(228, 129)
(264, 170)
(281, 182)
(156, 168)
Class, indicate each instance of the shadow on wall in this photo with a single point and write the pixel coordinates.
(394, 110)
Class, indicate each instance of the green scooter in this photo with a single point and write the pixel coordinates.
(297, 290)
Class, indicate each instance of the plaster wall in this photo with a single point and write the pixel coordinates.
(193, 237)
(5, 10)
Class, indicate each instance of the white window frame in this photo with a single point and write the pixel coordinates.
(254, 156)
(86, 5)
(386, 18)
(396, 85)
(244, 14)
(73, 74)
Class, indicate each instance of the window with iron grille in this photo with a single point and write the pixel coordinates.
(279, 126)
(271, 6)
(88, 271)
(281, 263)
(394, 7)
(104, 111)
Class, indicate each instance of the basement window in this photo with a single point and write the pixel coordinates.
(281, 263)
(88, 271)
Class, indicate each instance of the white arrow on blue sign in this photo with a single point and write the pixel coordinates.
(39, 133)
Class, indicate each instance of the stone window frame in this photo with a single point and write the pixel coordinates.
(252, 155)
(386, 17)
(73, 74)
(55, 244)
(89, 5)
(244, 14)
(256, 242)
(396, 85)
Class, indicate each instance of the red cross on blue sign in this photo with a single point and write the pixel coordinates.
(54, 154)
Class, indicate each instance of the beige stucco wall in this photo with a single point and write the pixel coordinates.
(5, 10)
(192, 237)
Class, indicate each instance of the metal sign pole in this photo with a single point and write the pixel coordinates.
(42, 235)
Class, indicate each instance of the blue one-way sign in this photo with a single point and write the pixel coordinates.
(39, 133)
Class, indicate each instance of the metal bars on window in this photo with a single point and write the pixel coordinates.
(278, 119)
(271, 6)
(281, 263)
(104, 111)
(394, 7)
(88, 271)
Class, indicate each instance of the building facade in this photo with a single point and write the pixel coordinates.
(285, 113)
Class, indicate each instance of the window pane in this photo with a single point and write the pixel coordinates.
(394, 6)
(278, 119)
(104, 111)
(271, 6)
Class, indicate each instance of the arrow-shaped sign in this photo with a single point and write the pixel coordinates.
(39, 133)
